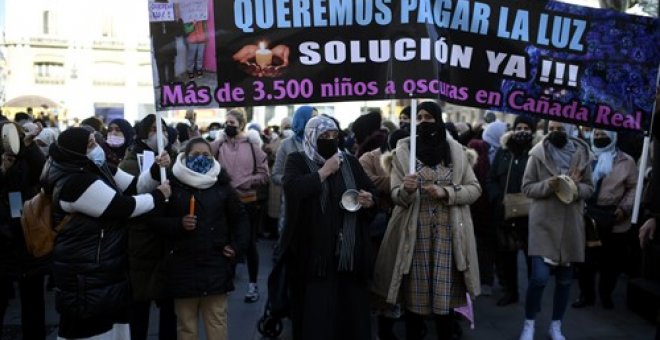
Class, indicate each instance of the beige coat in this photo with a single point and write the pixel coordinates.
(618, 188)
(396, 252)
(556, 230)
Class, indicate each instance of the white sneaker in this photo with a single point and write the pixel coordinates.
(528, 330)
(486, 290)
(555, 331)
(252, 293)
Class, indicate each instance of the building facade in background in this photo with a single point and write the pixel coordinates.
(85, 57)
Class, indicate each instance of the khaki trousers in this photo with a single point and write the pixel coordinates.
(214, 313)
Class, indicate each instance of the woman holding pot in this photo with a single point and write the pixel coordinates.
(556, 222)
(325, 245)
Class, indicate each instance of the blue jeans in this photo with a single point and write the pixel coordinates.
(540, 277)
(195, 57)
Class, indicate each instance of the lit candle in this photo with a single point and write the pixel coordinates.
(264, 55)
(192, 205)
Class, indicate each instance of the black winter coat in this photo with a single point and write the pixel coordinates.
(22, 177)
(147, 246)
(90, 264)
(195, 265)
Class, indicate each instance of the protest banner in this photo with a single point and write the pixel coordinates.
(159, 12)
(194, 10)
(543, 58)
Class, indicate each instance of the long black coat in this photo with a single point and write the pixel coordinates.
(22, 177)
(195, 265)
(326, 304)
(147, 247)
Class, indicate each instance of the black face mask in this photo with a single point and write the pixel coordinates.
(602, 142)
(231, 131)
(404, 126)
(327, 147)
(427, 131)
(522, 137)
(558, 139)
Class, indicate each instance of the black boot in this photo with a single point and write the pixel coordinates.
(444, 325)
(385, 328)
(415, 327)
(507, 299)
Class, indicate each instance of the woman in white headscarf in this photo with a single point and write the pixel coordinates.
(325, 247)
(45, 138)
(615, 178)
(492, 135)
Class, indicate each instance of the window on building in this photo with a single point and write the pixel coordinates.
(49, 70)
(108, 27)
(46, 21)
(49, 22)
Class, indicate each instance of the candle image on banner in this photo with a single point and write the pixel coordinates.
(264, 56)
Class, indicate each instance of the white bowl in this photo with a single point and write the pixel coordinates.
(568, 192)
(11, 140)
(349, 200)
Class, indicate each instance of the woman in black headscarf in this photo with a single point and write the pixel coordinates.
(119, 138)
(326, 248)
(90, 251)
(428, 254)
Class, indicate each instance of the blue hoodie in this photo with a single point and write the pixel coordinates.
(300, 118)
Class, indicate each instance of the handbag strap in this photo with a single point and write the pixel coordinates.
(508, 175)
(254, 159)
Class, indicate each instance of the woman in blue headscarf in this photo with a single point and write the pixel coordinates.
(325, 245)
(615, 178)
(290, 145)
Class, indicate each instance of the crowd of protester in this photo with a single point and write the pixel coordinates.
(357, 233)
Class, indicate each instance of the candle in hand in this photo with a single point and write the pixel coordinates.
(264, 55)
(192, 205)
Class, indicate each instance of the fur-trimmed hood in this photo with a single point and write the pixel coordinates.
(538, 137)
(472, 156)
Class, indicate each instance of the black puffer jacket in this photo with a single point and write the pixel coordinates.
(89, 256)
(195, 265)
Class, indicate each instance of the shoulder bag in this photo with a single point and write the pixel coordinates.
(515, 205)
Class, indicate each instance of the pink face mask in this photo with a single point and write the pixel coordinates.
(115, 141)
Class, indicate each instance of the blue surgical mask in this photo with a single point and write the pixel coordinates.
(200, 164)
(97, 155)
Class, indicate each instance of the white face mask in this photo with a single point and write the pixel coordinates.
(213, 134)
(97, 155)
(44, 150)
(115, 141)
(152, 142)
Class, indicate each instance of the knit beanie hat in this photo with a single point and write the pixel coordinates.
(530, 121)
(94, 122)
(365, 125)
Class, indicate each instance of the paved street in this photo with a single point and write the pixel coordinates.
(491, 322)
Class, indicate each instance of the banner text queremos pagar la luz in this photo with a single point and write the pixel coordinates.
(544, 58)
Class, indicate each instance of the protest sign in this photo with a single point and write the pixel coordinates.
(543, 58)
(159, 12)
(194, 10)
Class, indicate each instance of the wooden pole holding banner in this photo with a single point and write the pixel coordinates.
(644, 161)
(413, 136)
(161, 147)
